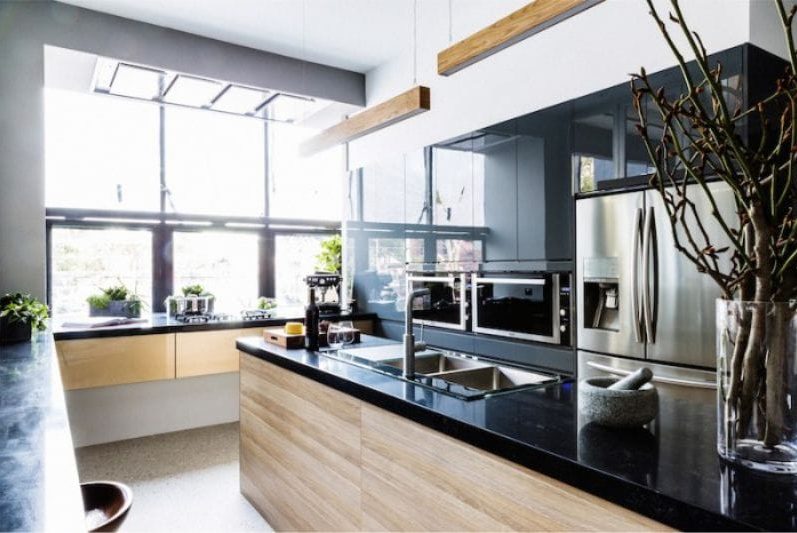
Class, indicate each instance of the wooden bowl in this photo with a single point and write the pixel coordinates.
(106, 504)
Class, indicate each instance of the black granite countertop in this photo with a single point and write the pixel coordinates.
(161, 323)
(669, 472)
(39, 487)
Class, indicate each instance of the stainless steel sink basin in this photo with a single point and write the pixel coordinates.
(438, 362)
(468, 378)
(494, 378)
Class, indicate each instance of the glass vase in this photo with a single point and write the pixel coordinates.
(756, 384)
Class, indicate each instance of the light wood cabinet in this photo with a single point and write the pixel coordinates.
(107, 361)
(209, 352)
(313, 458)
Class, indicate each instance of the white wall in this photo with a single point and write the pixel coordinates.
(766, 29)
(588, 52)
(108, 414)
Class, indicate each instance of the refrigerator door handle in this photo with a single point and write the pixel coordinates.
(656, 378)
(648, 308)
(636, 256)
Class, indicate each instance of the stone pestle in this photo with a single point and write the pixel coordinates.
(633, 381)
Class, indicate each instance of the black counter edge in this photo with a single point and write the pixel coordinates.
(97, 333)
(665, 509)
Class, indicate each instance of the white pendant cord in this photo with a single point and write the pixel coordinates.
(450, 21)
(414, 42)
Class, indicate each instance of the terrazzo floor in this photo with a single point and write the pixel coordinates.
(183, 481)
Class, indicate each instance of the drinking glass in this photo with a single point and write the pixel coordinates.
(346, 332)
(334, 337)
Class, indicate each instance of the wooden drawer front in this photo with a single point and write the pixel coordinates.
(417, 479)
(89, 363)
(209, 352)
(300, 450)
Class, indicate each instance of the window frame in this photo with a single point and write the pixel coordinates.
(164, 224)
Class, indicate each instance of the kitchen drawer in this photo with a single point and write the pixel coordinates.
(209, 352)
(87, 363)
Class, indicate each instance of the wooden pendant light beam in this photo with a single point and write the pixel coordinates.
(401, 107)
(526, 21)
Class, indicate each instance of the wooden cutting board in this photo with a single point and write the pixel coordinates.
(278, 336)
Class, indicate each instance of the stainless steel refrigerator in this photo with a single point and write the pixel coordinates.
(639, 301)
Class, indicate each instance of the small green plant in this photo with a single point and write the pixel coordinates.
(115, 293)
(195, 290)
(266, 303)
(99, 301)
(330, 258)
(26, 309)
(134, 304)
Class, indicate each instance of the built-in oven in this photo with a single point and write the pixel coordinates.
(528, 306)
(446, 304)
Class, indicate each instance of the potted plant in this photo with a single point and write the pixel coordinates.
(693, 138)
(199, 291)
(116, 300)
(266, 304)
(20, 316)
(194, 299)
(330, 257)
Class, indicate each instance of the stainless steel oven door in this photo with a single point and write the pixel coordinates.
(457, 320)
(550, 303)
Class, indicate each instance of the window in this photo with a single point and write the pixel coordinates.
(101, 152)
(294, 258)
(215, 163)
(86, 260)
(308, 188)
(458, 251)
(224, 263)
(191, 185)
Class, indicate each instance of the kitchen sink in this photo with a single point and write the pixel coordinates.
(437, 363)
(466, 377)
(493, 378)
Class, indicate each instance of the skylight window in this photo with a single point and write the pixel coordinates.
(240, 100)
(137, 82)
(115, 77)
(287, 108)
(191, 91)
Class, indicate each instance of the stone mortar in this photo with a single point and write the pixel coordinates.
(617, 408)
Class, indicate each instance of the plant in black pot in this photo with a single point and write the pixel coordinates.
(20, 315)
(117, 300)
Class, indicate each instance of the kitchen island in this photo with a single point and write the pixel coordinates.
(534, 439)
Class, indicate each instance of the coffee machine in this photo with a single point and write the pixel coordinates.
(327, 288)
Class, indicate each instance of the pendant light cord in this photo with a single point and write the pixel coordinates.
(450, 21)
(415, 42)
(304, 45)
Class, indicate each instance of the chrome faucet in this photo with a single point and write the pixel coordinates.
(409, 339)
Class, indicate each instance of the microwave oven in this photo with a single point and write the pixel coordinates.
(446, 305)
(527, 306)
